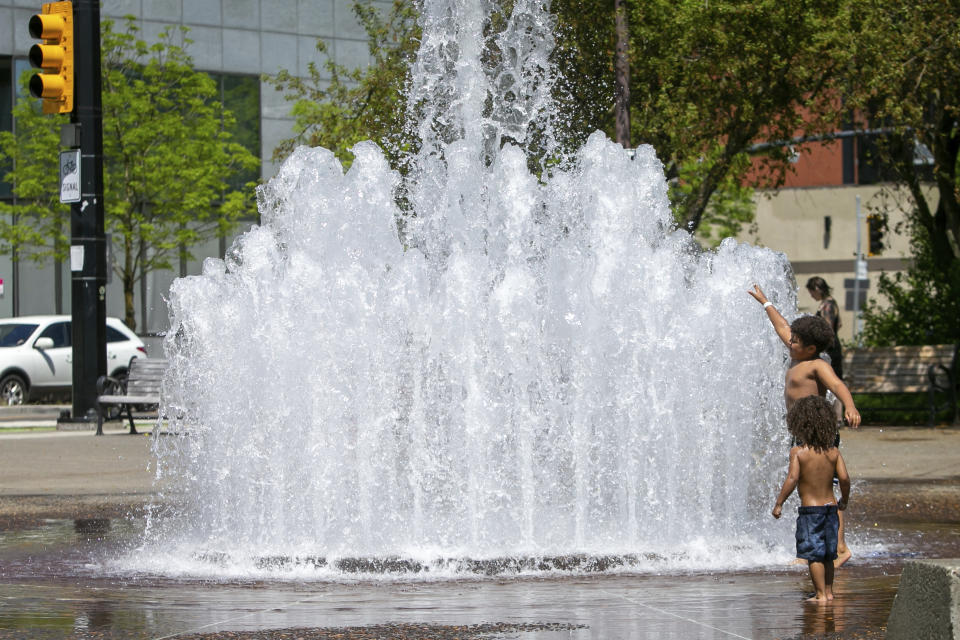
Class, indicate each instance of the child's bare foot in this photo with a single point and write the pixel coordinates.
(818, 599)
(842, 557)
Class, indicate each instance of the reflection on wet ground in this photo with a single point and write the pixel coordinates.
(52, 585)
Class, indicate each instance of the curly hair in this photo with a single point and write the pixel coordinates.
(812, 422)
(813, 330)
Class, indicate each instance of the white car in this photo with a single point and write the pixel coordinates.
(36, 355)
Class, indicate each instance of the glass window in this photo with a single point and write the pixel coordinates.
(12, 88)
(241, 97)
(13, 335)
(60, 332)
(6, 116)
(115, 336)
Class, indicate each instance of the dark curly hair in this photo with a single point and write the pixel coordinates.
(812, 422)
(813, 330)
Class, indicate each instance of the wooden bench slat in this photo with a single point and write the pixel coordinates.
(127, 400)
(901, 369)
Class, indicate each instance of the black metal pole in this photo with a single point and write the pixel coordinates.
(88, 247)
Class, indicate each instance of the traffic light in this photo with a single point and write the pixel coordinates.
(54, 57)
(877, 226)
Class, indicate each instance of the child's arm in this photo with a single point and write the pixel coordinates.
(844, 478)
(789, 484)
(830, 380)
(780, 324)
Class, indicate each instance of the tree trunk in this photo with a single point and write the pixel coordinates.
(129, 319)
(622, 74)
(129, 281)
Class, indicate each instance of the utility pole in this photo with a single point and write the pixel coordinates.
(69, 82)
(859, 277)
(88, 271)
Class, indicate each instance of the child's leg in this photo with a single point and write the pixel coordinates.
(818, 577)
(843, 552)
(828, 580)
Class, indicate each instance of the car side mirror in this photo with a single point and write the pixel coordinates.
(43, 344)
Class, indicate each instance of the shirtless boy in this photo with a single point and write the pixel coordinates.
(813, 464)
(809, 375)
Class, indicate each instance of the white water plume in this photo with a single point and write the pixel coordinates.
(543, 367)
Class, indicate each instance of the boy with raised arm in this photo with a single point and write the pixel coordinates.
(814, 462)
(810, 375)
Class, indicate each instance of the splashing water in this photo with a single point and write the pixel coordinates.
(540, 368)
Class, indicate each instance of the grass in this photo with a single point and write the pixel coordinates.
(900, 408)
(5, 430)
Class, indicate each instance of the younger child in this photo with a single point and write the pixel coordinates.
(813, 464)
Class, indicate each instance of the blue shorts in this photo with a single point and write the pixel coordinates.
(817, 533)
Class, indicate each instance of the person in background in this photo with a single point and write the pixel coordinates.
(829, 310)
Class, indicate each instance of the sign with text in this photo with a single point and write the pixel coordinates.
(70, 176)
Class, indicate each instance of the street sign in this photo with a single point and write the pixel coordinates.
(856, 300)
(861, 269)
(70, 176)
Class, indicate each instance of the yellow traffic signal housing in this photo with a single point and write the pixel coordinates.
(54, 57)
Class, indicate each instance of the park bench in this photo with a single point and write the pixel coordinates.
(135, 395)
(897, 371)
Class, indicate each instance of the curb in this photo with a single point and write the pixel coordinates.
(33, 412)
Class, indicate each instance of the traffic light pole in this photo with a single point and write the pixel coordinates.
(88, 246)
(859, 276)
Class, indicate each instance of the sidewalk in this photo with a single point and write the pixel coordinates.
(901, 453)
(77, 462)
(31, 415)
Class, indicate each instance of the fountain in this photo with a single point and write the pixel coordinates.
(539, 373)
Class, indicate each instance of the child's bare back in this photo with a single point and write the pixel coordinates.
(816, 468)
(813, 464)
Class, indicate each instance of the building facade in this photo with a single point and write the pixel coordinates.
(813, 220)
(237, 42)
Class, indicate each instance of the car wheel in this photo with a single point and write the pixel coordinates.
(13, 390)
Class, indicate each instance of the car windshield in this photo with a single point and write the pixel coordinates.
(13, 335)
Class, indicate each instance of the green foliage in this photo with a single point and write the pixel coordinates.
(730, 207)
(922, 303)
(168, 161)
(905, 77)
(708, 81)
(336, 107)
(38, 226)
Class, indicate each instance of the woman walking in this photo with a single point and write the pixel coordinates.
(829, 310)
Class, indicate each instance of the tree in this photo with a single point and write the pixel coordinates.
(356, 104)
(905, 78)
(706, 82)
(168, 159)
(37, 227)
(710, 80)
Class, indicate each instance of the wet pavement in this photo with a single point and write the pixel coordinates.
(60, 527)
(720, 605)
